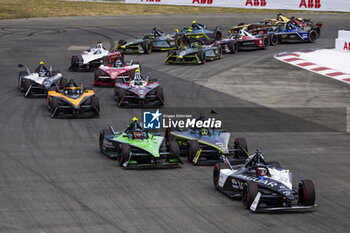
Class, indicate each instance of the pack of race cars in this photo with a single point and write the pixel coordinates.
(262, 185)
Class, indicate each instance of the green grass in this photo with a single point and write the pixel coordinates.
(14, 9)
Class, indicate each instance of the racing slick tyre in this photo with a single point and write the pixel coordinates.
(74, 62)
(241, 143)
(233, 47)
(218, 35)
(249, 192)
(312, 35)
(26, 86)
(216, 174)
(192, 149)
(266, 41)
(102, 136)
(274, 164)
(160, 95)
(201, 56)
(147, 47)
(175, 148)
(306, 192)
(53, 108)
(273, 39)
(21, 80)
(124, 153)
(96, 104)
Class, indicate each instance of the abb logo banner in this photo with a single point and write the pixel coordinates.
(342, 43)
(318, 5)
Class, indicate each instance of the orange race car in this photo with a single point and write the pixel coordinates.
(73, 100)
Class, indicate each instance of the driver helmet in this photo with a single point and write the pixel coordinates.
(137, 76)
(195, 45)
(261, 170)
(118, 64)
(137, 134)
(204, 131)
(42, 72)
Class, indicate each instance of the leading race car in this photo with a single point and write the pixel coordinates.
(73, 100)
(138, 91)
(93, 58)
(136, 147)
(107, 75)
(199, 32)
(195, 52)
(155, 41)
(40, 81)
(204, 146)
(263, 185)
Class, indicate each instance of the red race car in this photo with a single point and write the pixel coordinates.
(138, 91)
(108, 74)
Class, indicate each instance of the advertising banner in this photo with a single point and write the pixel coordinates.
(315, 5)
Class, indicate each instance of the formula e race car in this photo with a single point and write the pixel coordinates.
(136, 147)
(40, 81)
(228, 45)
(107, 75)
(289, 32)
(93, 58)
(155, 41)
(199, 32)
(138, 91)
(195, 52)
(263, 185)
(300, 22)
(73, 101)
(247, 40)
(204, 146)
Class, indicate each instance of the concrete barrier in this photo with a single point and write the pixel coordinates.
(342, 43)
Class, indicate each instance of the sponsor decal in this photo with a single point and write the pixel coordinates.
(255, 179)
(346, 46)
(310, 4)
(255, 3)
(152, 120)
(202, 1)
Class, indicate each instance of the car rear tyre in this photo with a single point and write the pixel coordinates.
(273, 39)
(147, 47)
(216, 174)
(26, 86)
(124, 150)
(266, 41)
(233, 47)
(249, 192)
(306, 192)
(192, 149)
(313, 35)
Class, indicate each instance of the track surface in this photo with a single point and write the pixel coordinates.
(53, 178)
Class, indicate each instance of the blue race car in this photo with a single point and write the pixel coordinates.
(291, 33)
(198, 32)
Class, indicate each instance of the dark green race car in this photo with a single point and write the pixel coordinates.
(136, 147)
(204, 146)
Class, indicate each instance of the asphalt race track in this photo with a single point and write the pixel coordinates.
(54, 179)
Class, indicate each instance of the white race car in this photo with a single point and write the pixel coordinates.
(263, 185)
(40, 81)
(93, 58)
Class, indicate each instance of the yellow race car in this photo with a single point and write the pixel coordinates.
(73, 100)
